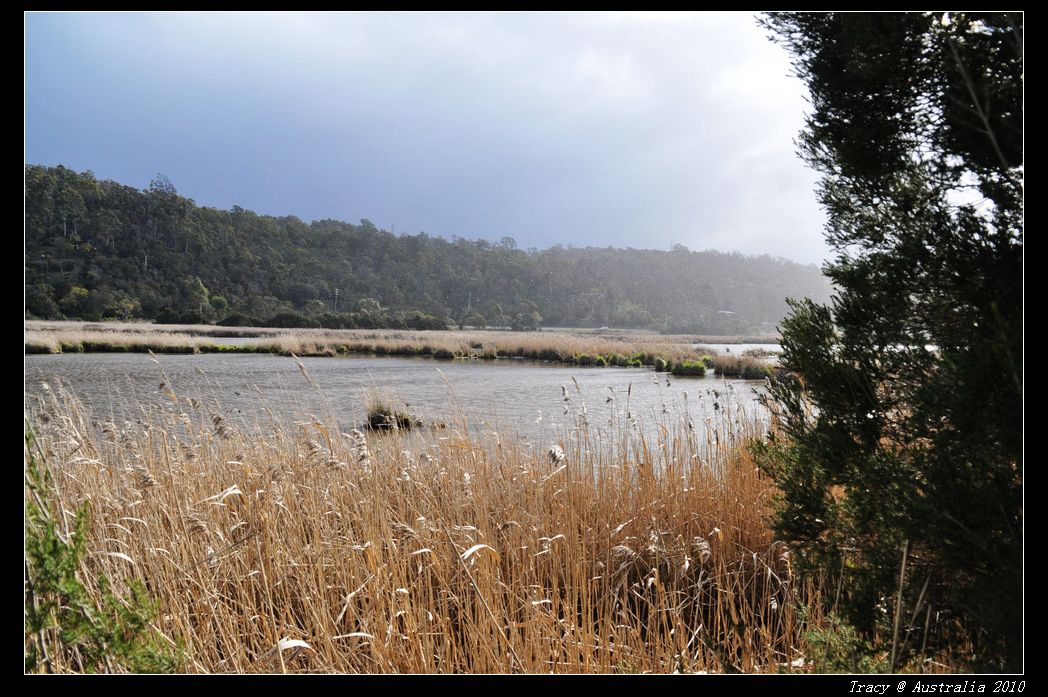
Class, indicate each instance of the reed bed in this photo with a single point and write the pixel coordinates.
(79, 341)
(747, 367)
(663, 353)
(37, 325)
(617, 335)
(295, 547)
(560, 347)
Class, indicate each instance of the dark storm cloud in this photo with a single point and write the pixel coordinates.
(628, 130)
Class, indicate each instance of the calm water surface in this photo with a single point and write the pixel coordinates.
(533, 400)
(739, 349)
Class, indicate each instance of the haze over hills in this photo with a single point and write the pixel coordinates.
(98, 249)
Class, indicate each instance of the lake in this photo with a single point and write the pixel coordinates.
(533, 401)
(740, 349)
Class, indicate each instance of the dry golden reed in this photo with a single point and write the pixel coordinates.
(302, 548)
(44, 337)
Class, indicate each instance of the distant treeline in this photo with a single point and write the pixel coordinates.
(98, 249)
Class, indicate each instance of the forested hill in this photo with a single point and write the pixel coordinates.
(96, 249)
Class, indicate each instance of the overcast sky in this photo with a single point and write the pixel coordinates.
(631, 130)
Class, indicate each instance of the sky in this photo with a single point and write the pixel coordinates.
(640, 130)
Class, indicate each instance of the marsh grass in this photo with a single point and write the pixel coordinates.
(553, 346)
(296, 547)
(78, 341)
(741, 366)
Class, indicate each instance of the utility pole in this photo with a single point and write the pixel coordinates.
(335, 309)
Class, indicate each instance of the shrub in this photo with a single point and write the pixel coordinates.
(689, 368)
(341, 320)
(237, 320)
(292, 320)
(62, 615)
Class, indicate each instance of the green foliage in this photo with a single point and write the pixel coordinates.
(291, 320)
(342, 320)
(39, 302)
(476, 320)
(100, 249)
(420, 320)
(661, 365)
(644, 358)
(836, 647)
(902, 420)
(61, 614)
(688, 368)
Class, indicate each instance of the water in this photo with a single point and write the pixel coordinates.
(514, 398)
(740, 349)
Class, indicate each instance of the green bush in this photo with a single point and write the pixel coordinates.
(292, 320)
(62, 618)
(238, 320)
(689, 368)
(342, 320)
(837, 647)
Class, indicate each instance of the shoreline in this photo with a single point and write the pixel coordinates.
(677, 354)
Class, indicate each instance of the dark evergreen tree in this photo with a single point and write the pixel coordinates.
(902, 422)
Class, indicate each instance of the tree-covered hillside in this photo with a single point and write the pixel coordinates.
(96, 249)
